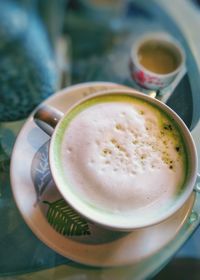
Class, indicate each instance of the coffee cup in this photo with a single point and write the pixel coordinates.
(157, 60)
(120, 158)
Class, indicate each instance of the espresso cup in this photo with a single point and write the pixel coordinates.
(157, 60)
(120, 158)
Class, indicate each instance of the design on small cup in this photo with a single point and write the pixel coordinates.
(139, 76)
(144, 79)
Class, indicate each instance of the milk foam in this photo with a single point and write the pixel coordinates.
(123, 156)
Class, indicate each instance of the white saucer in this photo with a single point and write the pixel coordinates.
(31, 185)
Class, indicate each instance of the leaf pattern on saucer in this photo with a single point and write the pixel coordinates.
(40, 170)
(65, 220)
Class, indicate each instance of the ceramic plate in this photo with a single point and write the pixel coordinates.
(55, 223)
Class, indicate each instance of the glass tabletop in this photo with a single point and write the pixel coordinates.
(86, 44)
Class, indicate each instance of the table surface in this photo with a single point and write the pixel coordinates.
(86, 48)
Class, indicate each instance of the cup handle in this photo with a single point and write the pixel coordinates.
(47, 117)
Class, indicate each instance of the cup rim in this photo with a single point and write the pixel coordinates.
(162, 37)
(99, 218)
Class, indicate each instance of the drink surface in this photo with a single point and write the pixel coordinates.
(121, 154)
(158, 58)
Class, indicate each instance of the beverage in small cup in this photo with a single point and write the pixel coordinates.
(121, 159)
(156, 60)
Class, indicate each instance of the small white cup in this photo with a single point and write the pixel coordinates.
(145, 76)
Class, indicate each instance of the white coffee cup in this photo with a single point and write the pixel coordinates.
(87, 207)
